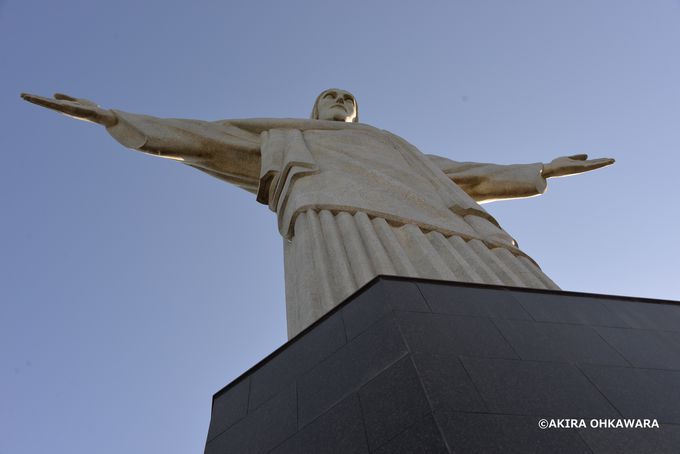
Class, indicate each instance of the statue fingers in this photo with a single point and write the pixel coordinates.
(70, 108)
(601, 162)
(578, 157)
(42, 101)
(77, 110)
(65, 97)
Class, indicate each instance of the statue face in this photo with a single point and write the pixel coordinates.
(337, 105)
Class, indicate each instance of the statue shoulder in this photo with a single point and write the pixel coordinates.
(258, 125)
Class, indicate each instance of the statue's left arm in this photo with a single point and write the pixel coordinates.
(489, 182)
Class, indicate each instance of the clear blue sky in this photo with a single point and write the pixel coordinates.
(133, 288)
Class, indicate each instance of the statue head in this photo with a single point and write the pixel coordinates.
(336, 105)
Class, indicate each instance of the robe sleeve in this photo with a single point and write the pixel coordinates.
(221, 149)
(489, 182)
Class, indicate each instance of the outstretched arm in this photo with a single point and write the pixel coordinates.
(220, 149)
(489, 182)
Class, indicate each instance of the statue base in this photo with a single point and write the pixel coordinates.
(411, 365)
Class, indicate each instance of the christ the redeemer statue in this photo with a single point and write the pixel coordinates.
(352, 201)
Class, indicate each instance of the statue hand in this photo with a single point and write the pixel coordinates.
(82, 109)
(570, 165)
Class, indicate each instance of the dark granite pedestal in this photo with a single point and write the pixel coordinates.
(416, 366)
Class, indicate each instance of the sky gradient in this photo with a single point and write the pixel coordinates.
(132, 288)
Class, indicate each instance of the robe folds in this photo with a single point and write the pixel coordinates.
(353, 201)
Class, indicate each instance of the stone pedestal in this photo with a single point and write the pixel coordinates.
(416, 366)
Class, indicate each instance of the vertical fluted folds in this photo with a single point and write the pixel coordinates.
(334, 254)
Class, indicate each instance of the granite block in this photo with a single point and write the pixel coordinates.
(664, 440)
(646, 315)
(639, 393)
(365, 309)
(459, 300)
(504, 434)
(447, 383)
(558, 342)
(261, 430)
(378, 301)
(338, 431)
(645, 348)
(440, 334)
(568, 309)
(537, 388)
(303, 354)
(404, 295)
(349, 368)
(391, 402)
(229, 407)
(422, 438)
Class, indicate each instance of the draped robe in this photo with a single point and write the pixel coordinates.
(353, 201)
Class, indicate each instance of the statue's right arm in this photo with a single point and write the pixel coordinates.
(220, 149)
